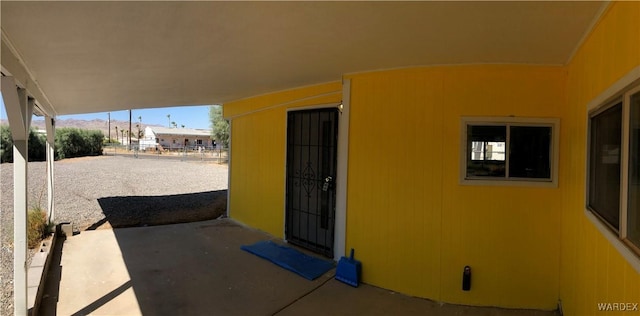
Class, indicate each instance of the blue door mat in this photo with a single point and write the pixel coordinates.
(293, 260)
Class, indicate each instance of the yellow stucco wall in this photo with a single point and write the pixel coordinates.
(592, 270)
(258, 131)
(411, 222)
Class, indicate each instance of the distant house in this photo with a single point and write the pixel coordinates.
(125, 140)
(175, 138)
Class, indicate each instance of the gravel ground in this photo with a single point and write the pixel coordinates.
(104, 192)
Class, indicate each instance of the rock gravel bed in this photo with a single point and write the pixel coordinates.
(101, 192)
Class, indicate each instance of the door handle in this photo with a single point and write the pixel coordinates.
(327, 183)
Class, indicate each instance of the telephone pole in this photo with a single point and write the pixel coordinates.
(109, 120)
(129, 135)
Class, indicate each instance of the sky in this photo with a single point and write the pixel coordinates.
(189, 116)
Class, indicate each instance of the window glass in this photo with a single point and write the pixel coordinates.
(633, 213)
(482, 150)
(604, 164)
(477, 150)
(529, 152)
(526, 149)
(486, 145)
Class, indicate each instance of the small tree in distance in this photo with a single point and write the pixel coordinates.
(219, 126)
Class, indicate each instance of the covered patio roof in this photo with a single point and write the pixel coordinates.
(77, 57)
(84, 56)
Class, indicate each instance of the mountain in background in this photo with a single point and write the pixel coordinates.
(95, 124)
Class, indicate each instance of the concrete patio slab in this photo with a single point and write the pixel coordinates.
(183, 269)
(199, 269)
(336, 298)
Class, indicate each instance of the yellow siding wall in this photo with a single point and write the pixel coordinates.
(592, 271)
(412, 224)
(257, 172)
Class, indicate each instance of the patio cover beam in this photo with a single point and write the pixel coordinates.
(13, 65)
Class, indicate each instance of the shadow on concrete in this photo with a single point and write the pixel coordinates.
(184, 269)
(140, 211)
(199, 269)
(103, 300)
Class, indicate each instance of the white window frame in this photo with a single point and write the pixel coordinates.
(624, 97)
(616, 91)
(554, 123)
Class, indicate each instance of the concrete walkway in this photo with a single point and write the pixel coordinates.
(199, 269)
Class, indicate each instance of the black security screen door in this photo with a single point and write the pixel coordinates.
(312, 141)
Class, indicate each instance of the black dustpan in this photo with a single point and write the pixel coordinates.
(349, 270)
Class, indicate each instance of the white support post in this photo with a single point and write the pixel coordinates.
(228, 169)
(340, 239)
(19, 111)
(20, 209)
(51, 132)
(20, 150)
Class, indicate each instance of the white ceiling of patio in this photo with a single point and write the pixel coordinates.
(90, 56)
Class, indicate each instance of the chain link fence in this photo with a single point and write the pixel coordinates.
(191, 153)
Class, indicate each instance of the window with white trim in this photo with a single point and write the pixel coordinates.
(508, 149)
(613, 189)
